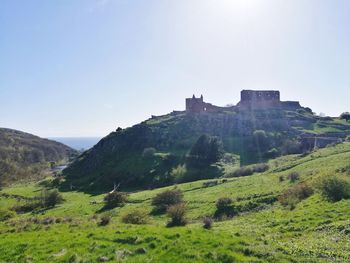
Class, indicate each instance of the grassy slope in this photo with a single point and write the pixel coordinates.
(315, 231)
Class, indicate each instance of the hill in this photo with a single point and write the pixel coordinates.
(314, 229)
(150, 153)
(25, 156)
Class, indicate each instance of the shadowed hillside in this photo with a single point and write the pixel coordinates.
(25, 156)
(147, 154)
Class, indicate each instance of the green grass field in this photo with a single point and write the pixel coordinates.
(315, 231)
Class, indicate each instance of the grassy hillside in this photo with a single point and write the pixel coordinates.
(25, 156)
(316, 230)
(250, 136)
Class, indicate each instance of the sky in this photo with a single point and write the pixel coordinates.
(85, 67)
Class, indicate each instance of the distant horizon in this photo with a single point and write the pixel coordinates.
(83, 68)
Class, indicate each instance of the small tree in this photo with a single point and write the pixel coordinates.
(115, 199)
(177, 215)
(207, 150)
(164, 200)
(345, 116)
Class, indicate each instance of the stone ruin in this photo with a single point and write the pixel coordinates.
(250, 100)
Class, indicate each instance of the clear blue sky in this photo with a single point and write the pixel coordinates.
(85, 67)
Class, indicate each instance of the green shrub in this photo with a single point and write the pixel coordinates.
(243, 171)
(105, 220)
(28, 206)
(347, 139)
(164, 200)
(115, 199)
(177, 215)
(249, 170)
(294, 176)
(51, 198)
(207, 222)
(6, 214)
(210, 183)
(136, 217)
(334, 188)
(260, 167)
(295, 194)
(225, 208)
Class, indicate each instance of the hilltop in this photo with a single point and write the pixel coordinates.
(24, 156)
(150, 154)
(312, 230)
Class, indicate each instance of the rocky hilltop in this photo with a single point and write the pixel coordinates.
(150, 154)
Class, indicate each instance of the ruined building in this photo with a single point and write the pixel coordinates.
(250, 100)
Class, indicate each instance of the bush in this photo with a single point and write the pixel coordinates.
(6, 214)
(295, 194)
(177, 215)
(249, 170)
(210, 183)
(260, 167)
(47, 199)
(136, 217)
(334, 188)
(294, 176)
(207, 222)
(224, 207)
(27, 207)
(243, 171)
(347, 139)
(115, 199)
(104, 220)
(51, 198)
(164, 200)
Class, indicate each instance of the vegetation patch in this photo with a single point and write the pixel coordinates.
(164, 200)
(136, 217)
(295, 194)
(334, 188)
